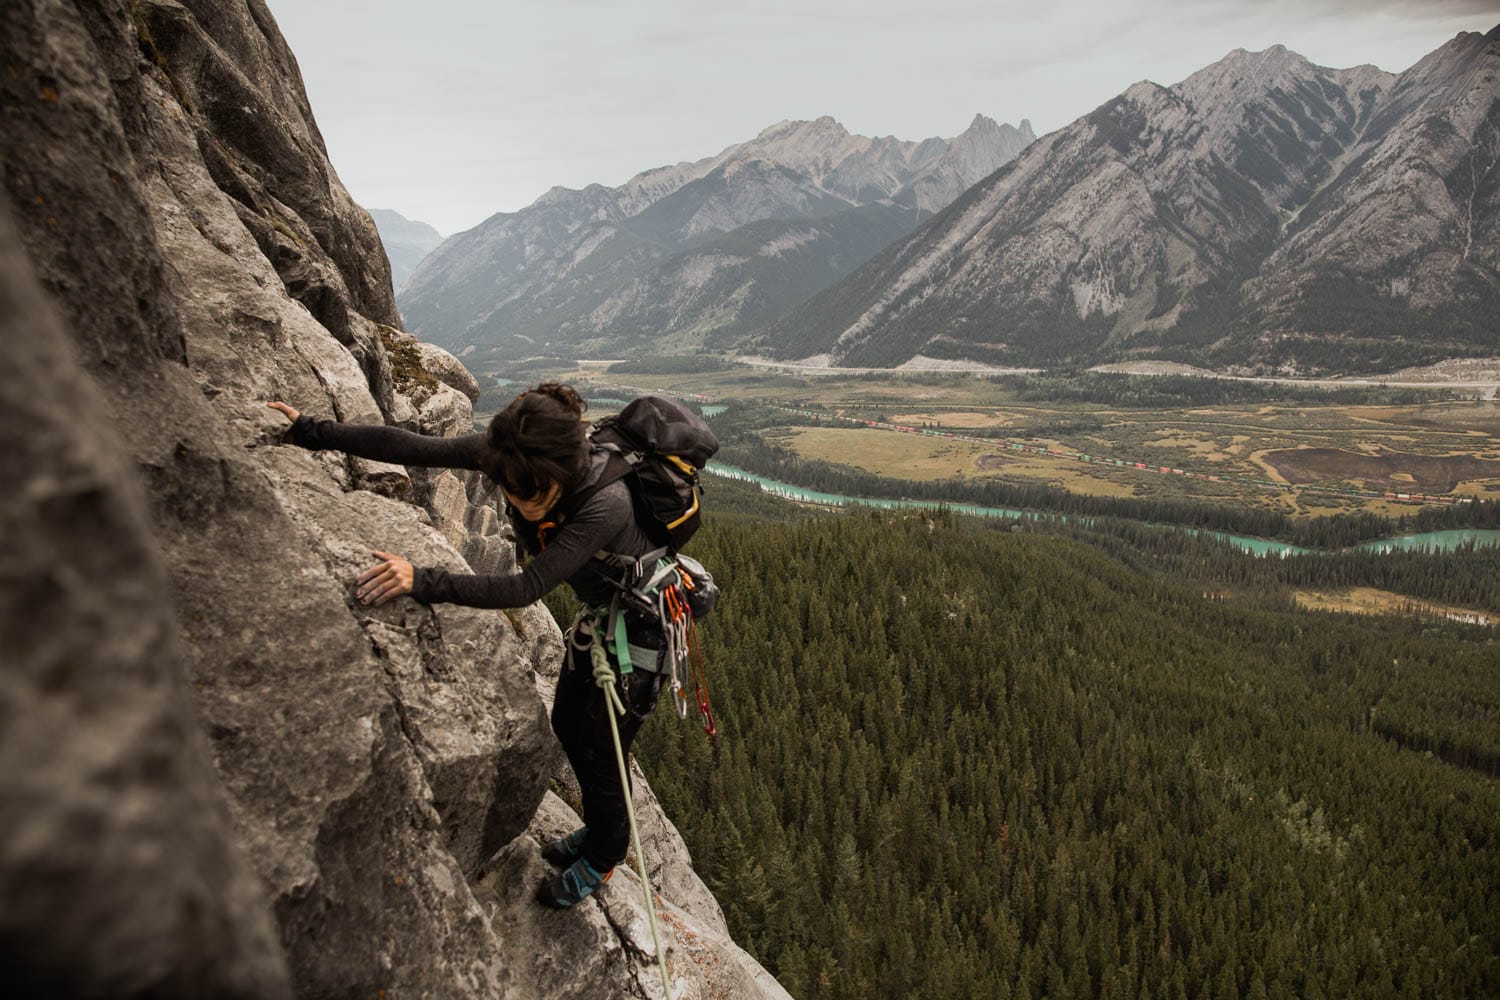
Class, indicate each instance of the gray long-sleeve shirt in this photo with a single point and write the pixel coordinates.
(606, 520)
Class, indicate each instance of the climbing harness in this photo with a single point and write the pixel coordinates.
(604, 677)
(674, 591)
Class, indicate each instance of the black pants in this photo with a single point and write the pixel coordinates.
(579, 720)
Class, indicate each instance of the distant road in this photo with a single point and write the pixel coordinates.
(958, 368)
(1432, 382)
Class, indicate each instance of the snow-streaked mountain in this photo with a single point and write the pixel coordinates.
(1265, 212)
(575, 269)
(406, 242)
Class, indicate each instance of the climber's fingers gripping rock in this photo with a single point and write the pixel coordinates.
(384, 581)
(280, 407)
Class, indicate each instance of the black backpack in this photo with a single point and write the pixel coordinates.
(657, 445)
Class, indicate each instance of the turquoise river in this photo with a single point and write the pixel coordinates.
(1436, 541)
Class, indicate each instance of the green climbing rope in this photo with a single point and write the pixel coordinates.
(604, 676)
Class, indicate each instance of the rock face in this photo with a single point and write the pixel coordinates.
(1265, 213)
(107, 797)
(580, 955)
(693, 253)
(224, 776)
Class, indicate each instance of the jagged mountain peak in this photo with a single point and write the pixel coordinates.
(814, 147)
(788, 126)
(984, 129)
(560, 195)
(1462, 47)
(1243, 59)
(985, 126)
(1242, 75)
(1144, 92)
(822, 148)
(551, 271)
(1466, 62)
(1265, 211)
(1249, 73)
(1471, 39)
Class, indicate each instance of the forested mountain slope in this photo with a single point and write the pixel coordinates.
(1263, 214)
(957, 761)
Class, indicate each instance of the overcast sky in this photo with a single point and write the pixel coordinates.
(451, 110)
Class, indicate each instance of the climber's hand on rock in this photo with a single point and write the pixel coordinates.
(383, 582)
(281, 407)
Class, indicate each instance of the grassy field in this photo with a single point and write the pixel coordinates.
(1439, 448)
(905, 456)
(1369, 601)
(1325, 447)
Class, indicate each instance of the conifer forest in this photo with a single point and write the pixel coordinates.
(979, 759)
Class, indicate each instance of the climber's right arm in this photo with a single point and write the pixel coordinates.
(384, 444)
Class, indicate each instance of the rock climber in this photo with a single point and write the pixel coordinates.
(537, 451)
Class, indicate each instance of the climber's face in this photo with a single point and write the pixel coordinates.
(535, 507)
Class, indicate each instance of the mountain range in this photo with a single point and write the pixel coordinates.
(406, 242)
(694, 253)
(1265, 214)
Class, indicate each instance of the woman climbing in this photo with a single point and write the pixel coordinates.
(538, 451)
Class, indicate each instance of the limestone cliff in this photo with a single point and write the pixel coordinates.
(223, 776)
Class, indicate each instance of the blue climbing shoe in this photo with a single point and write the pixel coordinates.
(572, 886)
(563, 851)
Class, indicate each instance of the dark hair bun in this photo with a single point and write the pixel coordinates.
(539, 439)
(564, 394)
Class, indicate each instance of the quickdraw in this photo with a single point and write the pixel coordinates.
(680, 649)
(674, 639)
(661, 586)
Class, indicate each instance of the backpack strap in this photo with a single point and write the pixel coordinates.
(626, 574)
(617, 467)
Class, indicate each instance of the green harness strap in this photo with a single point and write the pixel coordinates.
(612, 622)
(612, 619)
